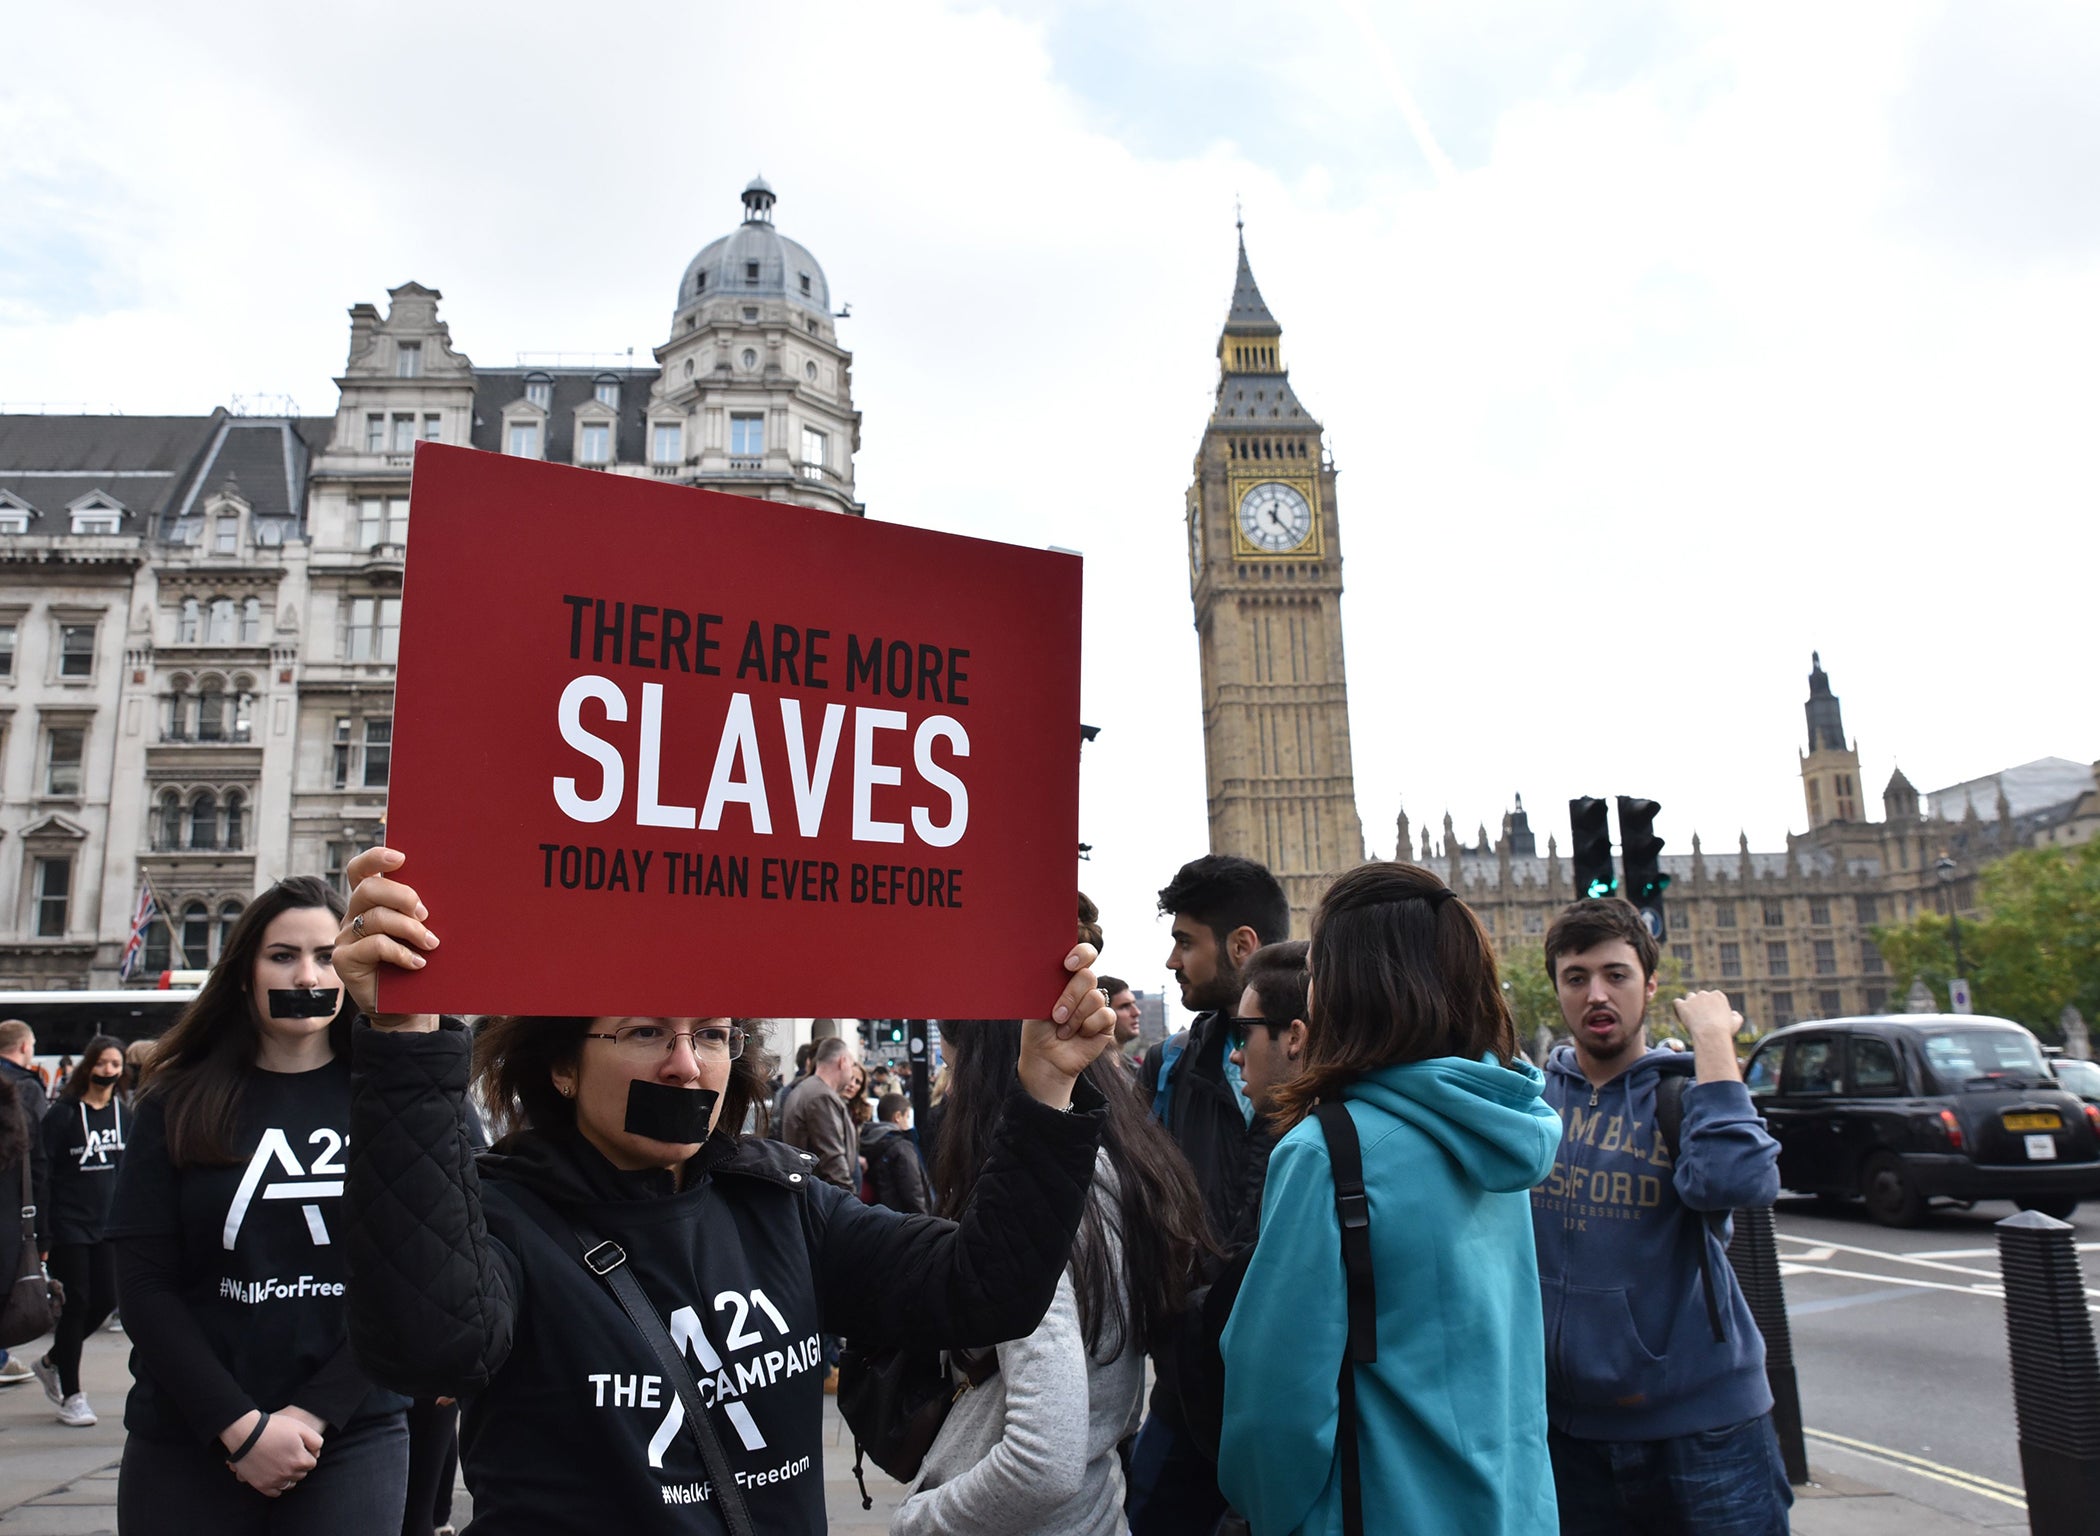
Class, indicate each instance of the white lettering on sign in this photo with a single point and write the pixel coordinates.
(306, 1185)
(939, 808)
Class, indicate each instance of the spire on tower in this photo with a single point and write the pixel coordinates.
(1826, 720)
(1249, 315)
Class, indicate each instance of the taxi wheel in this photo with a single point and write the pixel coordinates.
(1892, 1197)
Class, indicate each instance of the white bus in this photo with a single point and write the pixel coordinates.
(65, 1021)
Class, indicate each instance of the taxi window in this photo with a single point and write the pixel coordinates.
(1980, 1056)
(1761, 1077)
(1874, 1069)
(1812, 1067)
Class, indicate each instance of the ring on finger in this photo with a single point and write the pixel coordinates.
(357, 926)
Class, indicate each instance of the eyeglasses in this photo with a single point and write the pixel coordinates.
(1237, 1030)
(710, 1042)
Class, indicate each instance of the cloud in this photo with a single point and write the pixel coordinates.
(1996, 142)
(1666, 386)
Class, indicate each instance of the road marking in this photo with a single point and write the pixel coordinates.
(1970, 1482)
(1815, 1256)
(1904, 1258)
(1923, 1285)
(1856, 1299)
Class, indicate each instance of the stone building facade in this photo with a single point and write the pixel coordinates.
(1788, 934)
(198, 615)
(1265, 576)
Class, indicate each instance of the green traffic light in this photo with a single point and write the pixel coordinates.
(1600, 888)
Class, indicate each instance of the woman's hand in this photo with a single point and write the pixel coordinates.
(287, 1451)
(384, 926)
(1054, 1051)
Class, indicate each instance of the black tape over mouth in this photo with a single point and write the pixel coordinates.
(662, 1112)
(304, 1002)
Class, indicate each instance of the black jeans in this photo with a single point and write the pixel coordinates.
(433, 1462)
(356, 1490)
(1173, 1488)
(88, 1271)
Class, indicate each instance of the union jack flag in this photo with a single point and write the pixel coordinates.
(142, 919)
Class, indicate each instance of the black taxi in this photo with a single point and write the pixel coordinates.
(1902, 1109)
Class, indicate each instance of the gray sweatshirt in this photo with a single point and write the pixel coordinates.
(1033, 1450)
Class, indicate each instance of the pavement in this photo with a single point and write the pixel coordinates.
(57, 1481)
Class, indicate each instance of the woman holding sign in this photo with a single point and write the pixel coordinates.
(627, 1299)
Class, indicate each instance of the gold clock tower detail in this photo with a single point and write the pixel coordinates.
(1265, 571)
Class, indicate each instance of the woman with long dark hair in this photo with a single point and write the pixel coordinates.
(1411, 1035)
(620, 1235)
(83, 1146)
(248, 1412)
(1033, 1447)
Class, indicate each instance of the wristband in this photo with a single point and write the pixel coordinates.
(248, 1444)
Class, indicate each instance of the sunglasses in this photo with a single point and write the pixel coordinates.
(1237, 1029)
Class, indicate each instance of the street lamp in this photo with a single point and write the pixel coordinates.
(1946, 870)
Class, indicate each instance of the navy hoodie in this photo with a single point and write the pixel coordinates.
(1630, 1349)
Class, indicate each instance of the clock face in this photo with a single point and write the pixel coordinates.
(1196, 537)
(1275, 517)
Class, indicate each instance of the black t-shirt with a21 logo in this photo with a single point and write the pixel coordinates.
(262, 1266)
(82, 1147)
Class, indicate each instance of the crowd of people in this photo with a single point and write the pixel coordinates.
(1381, 1271)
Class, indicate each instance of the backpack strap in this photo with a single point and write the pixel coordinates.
(1352, 1207)
(608, 1261)
(1669, 1120)
(1163, 1085)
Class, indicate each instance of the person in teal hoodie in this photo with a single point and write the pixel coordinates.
(1655, 1370)
(1410, 1030)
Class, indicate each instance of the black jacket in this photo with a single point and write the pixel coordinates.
(458, 1288)
(1206, 1122)
(29, 1093)
(895, 1173)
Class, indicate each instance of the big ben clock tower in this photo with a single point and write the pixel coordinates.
(1265, 571)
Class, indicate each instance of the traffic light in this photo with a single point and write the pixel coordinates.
(1645, 881)
(1587, 815)
(896, 1031)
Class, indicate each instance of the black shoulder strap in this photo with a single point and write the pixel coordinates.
(1353, 1209)
(1669, 1111)
(608, 1261)
(1669, 1121)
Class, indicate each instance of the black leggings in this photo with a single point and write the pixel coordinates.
(88, 1271)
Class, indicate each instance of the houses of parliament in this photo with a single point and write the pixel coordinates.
(199, 614)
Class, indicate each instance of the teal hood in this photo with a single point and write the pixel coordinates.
(1493, 1120)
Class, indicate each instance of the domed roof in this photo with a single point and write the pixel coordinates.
(757, 261)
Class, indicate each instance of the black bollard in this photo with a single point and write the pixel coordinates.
(2055, 1373)
(1754, 1253)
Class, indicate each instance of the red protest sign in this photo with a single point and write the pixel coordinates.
(662, 751)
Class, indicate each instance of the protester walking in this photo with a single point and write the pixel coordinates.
(1032, 1449)
(1655, 1369)
(1434, 1417)
(83, 1135)
(248, 1412)
(537, 1286)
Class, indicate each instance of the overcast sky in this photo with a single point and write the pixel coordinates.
(1657, 344)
